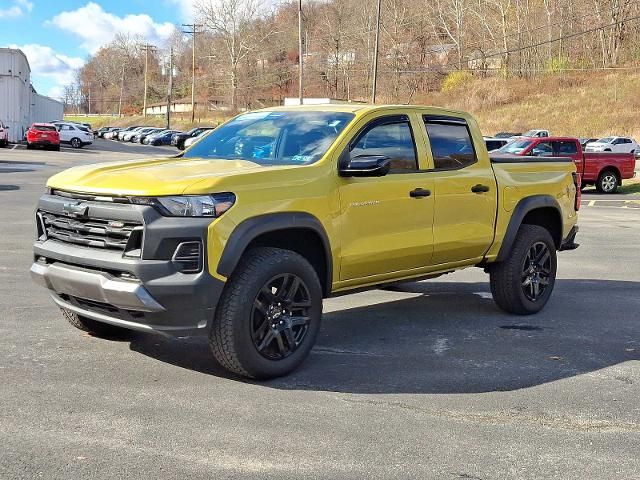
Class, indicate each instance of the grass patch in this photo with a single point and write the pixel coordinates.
(630, 186)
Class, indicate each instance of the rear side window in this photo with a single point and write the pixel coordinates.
(566, 148)
(393, 140)
(451, 143)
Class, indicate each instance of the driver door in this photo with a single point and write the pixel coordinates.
(386, 222)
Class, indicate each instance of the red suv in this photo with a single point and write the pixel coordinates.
(44, 135)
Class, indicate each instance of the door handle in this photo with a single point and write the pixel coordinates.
(419, 193)
(479, 188)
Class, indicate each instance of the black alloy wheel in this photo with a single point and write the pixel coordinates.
(280, 316)
(536, 271)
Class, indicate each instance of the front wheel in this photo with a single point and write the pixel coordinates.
(608, 182)
(269, 315)
(523, 283)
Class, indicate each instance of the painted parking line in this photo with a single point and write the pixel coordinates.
(612, 203)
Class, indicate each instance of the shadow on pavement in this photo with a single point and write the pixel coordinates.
(9, 188)
(451, 338)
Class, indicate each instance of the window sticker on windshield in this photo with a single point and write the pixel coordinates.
(254, 116)
(275, 115)
(301, 158)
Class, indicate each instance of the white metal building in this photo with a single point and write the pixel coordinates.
(20, 105)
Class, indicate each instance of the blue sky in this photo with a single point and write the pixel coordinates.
(58, 36)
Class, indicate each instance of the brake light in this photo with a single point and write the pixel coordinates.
(577, 181)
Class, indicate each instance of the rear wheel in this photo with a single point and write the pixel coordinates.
(608, 182)
(76, 143)
(98, 329)
(523, 283)
(269, 315)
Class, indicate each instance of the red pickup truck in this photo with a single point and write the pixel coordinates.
(604, 170)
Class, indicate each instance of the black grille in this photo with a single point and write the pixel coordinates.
(92, 232)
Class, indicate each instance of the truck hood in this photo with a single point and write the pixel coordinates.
(168, 176)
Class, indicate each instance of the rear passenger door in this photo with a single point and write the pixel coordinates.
(465, 192)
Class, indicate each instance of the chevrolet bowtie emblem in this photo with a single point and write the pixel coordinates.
(75, 209)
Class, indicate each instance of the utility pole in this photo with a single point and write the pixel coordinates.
(300, 55)
(194, 29)
(147, 48)
(121, 92)
(375, 56)
(170, 88)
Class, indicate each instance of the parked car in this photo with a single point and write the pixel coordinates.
(196, 138)
(140, 134)
(536, 134)
(112, 133)
(290, 207)
(43, 135)
(613, 144)
(178, 139)
(74, 134)
(493, 143)
(120, 135)
(4, 134)
(586, 141)
(126, 136)
(161, 138)
(100, 133)
(604, 170)
(506, 135)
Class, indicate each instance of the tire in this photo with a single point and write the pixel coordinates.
(243, 338)
(506, 278)
(29, 146)
(608, 182)
(98, 329)
(76, 143)
(57, 148)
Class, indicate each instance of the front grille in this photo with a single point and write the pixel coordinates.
(115, 235)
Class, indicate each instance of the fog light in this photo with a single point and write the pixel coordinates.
(188, 257)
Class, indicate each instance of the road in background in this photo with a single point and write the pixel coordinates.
(425, 380)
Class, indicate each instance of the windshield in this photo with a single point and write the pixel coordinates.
(273, 138)
(606, 140)
(517, 146)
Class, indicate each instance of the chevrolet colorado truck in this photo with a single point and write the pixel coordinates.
(242, 236)
(605, 170)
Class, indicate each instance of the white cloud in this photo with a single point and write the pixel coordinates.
(17, 9)
(49, 66)
(185, 7)
(95, 27)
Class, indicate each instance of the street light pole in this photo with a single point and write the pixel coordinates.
(147, 47)
(375, 56)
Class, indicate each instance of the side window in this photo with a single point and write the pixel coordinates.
(393, 140)
(566, 148)
(451, 144)
(542, 149)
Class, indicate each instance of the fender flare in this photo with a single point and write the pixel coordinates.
(250, 229)
(523, 207)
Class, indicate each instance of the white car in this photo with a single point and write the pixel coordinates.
(613, 144)
(191, 140)
(74, 134)
(536, 134)
(4, 135)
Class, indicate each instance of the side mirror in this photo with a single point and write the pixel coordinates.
(365, 166)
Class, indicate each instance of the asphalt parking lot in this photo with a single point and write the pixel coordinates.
(425, 380)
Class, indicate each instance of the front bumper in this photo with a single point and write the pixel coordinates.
(147, 293)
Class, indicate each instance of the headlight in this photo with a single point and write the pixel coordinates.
(190, 205)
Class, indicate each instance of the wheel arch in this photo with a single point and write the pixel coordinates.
(541, 210)
(611, 168)
(300, 232)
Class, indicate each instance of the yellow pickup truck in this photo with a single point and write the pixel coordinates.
(242, 236)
